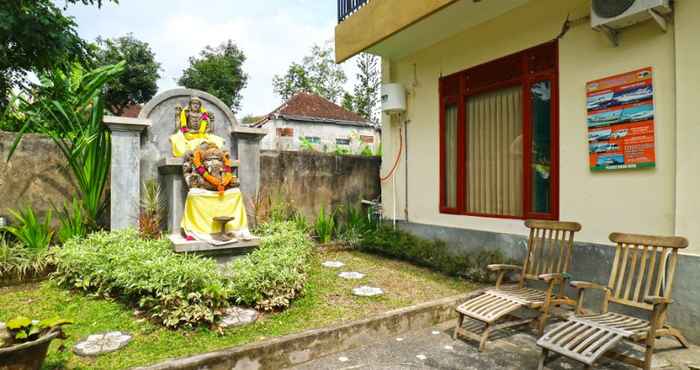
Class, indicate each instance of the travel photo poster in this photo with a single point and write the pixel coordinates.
(621, 121)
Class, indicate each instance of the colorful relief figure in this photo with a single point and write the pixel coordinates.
(194, 127)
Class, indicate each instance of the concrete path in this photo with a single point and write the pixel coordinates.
(435, 349)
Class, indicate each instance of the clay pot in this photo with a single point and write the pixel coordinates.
(26, 356)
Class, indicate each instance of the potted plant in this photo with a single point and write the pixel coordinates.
(24, 342)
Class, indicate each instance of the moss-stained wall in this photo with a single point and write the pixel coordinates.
(312, 180)
(37, 175)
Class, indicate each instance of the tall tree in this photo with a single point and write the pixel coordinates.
(35, 36)
(137, 84)
(366, 90)
(218, 71)
(348, 102)
(317, 73)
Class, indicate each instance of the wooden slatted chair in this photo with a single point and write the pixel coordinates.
(641, 278)
(547, 259)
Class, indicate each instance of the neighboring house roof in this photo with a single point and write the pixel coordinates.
(308, 107)
(132, 111)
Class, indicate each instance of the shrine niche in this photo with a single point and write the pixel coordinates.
(192, 147)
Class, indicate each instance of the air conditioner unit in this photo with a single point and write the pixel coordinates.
(617, 14)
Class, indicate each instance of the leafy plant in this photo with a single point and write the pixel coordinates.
(19, 262)
(151, 214)
(353, 224)
(175, 289)
(324, 227)
(366, 151)
(72, 221)
(274, 274)
(306, 145)
(29, 230)
(23, 329)
(431, 253)
(70, 109)
(340, 150)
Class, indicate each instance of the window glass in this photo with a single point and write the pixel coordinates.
(541, 163)
(313, 139)
(451, 156)
(342, 141)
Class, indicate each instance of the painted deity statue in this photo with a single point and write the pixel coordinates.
(194, 128)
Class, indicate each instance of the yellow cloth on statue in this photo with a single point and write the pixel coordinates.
(202, 206)
(181, 143)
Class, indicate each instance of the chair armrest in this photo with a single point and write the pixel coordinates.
(500, 267)
(654, 300)
(554, 277)
(588, 285)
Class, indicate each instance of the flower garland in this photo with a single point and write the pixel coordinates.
(219, 184)
(203, 120)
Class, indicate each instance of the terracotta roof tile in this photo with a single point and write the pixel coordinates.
(316, 108)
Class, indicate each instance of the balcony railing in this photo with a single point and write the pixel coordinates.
(347, 7)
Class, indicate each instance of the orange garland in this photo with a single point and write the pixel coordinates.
(220, 184)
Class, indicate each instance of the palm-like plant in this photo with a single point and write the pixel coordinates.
(69, 107)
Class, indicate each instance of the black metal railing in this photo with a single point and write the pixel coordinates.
(347, 7)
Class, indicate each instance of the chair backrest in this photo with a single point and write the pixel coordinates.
(643, 266)
(549, 248)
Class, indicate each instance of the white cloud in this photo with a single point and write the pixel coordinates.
(272, 34)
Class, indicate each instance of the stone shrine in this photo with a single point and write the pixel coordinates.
(143, 150)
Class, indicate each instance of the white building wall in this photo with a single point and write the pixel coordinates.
(326, 132)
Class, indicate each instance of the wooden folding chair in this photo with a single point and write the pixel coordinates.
(641, 278)
(547, 259)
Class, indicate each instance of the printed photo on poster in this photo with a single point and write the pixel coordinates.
(621, 121)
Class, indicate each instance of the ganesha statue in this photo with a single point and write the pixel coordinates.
(209, 167)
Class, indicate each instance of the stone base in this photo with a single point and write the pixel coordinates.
(221, 253)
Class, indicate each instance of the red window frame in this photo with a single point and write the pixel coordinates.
(523, 68)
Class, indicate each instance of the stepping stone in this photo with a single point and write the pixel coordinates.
(238, 316)
(97, 344)
(367, 291)
(352, 275)
(333, 264)
(421, 357)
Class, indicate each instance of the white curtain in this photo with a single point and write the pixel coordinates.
(451, 155)
(494, 153)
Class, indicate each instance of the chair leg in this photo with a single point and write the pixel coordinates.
(679, 337)
(649, 353)
(460, 320)
(542, 322)
(543, 359)
(484, 337)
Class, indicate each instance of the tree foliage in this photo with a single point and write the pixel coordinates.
(317, 74)
(138, 82)
(366, 90)
(218, 71)
(35, 36)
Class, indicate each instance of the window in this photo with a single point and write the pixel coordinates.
(313, 139)
(342, 141)
(498, 137)
(285, 131)
(367, 139)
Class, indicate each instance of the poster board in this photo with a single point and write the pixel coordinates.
(620, 121)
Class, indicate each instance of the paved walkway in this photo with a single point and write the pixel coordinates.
(435, 349)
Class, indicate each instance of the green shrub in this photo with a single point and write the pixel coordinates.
(431, 253)
(34, 234)
(20, 262)
(324, 228)
(273, 275)
(352, 225)
(176, 290)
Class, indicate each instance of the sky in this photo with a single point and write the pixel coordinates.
(271, 33)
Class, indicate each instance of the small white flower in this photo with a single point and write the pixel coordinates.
(343, 359)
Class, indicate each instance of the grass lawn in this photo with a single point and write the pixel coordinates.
(327, 300)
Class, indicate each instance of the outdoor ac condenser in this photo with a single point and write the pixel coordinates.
(617, 14)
